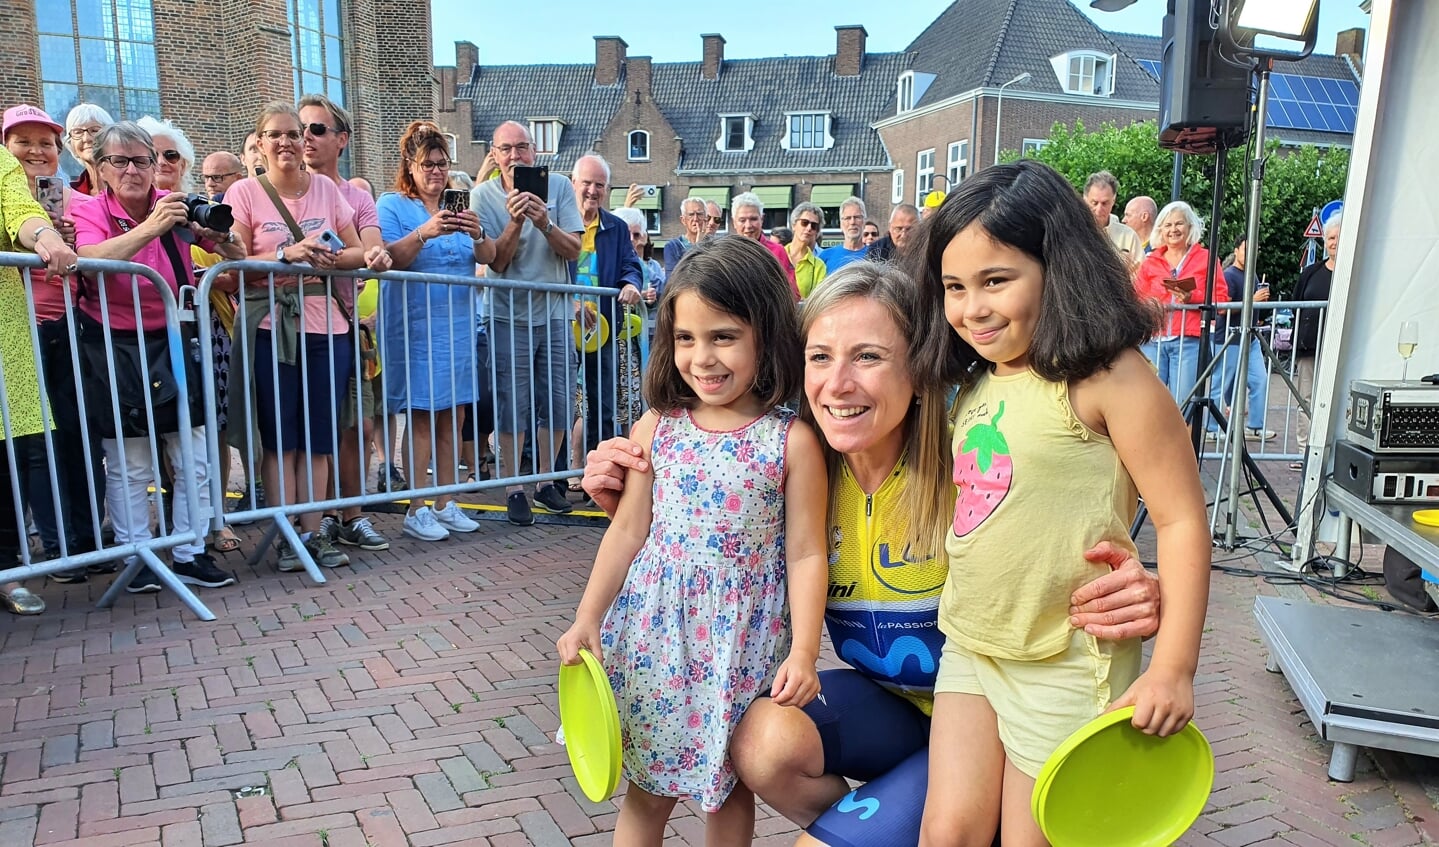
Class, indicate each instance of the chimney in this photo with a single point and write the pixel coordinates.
(849, 50)
(1350, 42)
(609, 58)
(714, 55)
(638, 75)
(467, 55)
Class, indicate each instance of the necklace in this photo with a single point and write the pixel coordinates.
(304, 185)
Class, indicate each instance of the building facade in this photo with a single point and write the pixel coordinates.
(209, 65)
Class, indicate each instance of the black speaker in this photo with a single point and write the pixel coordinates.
(1203, 100)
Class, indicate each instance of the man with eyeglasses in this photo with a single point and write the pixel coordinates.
(851, 223)
(220, 171)
(326, 127)
(902, 221)
(714, 218)
(530, 337)
(692, 216)
(809, 270)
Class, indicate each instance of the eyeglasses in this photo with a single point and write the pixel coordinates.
(507, 149)
(637, 236)
(714, 220)
(277, 134)
(852, 218)
(171, 156)
(85, 131)
(434, 166)
(120, 163)
(699, 215)
(218, 177)
(319, 130)
(808, 224)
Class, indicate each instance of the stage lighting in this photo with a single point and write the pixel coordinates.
(1111, 5)
(1274, 28)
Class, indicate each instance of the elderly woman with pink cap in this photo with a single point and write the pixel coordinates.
(24, 225)
(34, 138)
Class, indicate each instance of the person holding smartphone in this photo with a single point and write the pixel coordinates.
(1172, 275)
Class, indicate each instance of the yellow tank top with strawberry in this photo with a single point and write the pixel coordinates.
(1036, 488)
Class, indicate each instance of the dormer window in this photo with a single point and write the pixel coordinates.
(639, 146)
(1086, 72)
(736, 134)
(546, 132)
(904, 93)
(808, 131)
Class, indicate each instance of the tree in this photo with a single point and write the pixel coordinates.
(1297, 181)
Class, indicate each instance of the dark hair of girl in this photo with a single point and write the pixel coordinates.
(739, 277)
(1089, 311)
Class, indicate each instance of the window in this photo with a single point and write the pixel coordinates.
(101, 52)
(319, 60)
(904, 95)
(808, 131)
(1032, 146)
(652, 221)
(923, 175)
(735, 134)
(958, 167)
(546, 132)
(1085, 72)
(639, 146)
(897, 194)
(829, 198)
(777, 200)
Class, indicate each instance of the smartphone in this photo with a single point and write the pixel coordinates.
(332, 242)
(535, 179)
(50, 191)
(455, 200)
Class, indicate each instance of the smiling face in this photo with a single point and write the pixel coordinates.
(169, 166)
(992, 297)
(280, 142)
(512, 146)
(749, 222)
(82, 141)
(591, 185)
(1331, 243)
(1174, 231)
(37, 147)
(856, 379)
(715, 354)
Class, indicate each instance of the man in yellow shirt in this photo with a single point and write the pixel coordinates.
(809, 270)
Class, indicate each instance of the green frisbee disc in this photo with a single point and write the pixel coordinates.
(591, 722)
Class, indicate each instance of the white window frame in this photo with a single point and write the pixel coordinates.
(653, 219)
(923, 175)
(1030, 146)
(546, 132)
(630, 145)
(957, 166)
(724, 120)
(1086, 73)
(897, 192)
(904, 93)
(820, 131)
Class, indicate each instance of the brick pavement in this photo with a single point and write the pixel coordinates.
(411, 701)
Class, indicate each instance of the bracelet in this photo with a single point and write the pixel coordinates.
(419, 236)
(43, 228)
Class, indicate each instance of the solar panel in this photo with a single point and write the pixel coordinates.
(1310, 102)
(1155, 69)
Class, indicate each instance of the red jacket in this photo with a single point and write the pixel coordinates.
(1154, 271)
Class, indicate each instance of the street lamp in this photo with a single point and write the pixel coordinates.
(999, 109)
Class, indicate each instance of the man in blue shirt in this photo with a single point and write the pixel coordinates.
(851, 223)
(692, 216)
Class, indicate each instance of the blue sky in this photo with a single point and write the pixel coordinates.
(563, 31)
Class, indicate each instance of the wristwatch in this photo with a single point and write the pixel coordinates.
(549, 225)
(280, 255)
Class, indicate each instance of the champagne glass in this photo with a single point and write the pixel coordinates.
(1408, 342)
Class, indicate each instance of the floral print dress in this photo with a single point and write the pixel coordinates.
(700, 626)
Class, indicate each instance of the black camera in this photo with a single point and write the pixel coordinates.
(209, 214)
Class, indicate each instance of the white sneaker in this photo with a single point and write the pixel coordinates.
(425, 526)
(455, 519)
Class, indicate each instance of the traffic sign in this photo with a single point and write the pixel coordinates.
(1329, 209)
(1314, 230)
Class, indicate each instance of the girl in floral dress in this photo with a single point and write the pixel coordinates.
(726, 520)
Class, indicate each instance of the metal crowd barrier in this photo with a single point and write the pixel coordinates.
(43, 467)
(409, 318)
(1280, 377)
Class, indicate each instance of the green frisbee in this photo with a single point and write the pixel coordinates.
(1109, 784)
(591, 722)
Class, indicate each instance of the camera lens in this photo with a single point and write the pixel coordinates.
(210, 215)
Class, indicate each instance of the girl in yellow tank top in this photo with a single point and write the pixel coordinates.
(1059, 426)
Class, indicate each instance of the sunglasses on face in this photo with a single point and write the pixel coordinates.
(872, 233)
(715, 220)
(171, 156)
(319, 130)
(807, 224)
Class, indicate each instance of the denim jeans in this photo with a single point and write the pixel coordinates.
(1177, 361)
(1256, 383)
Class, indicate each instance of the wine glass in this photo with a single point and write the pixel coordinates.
(1408, 341)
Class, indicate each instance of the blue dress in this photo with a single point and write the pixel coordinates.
(426, 330)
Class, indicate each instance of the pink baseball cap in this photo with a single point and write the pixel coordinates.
(27, 114)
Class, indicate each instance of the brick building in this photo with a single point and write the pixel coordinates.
(209, 65)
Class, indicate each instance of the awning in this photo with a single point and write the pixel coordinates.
(712, 194)
(830, 196)
(775, 196)
(649, 201)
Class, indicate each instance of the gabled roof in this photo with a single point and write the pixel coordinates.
(768, 89)
(985, 43)
(518, 92)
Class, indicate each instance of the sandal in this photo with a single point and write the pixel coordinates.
(226, 541)
(575, 485)
(20, 601)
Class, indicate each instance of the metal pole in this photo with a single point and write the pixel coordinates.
(1246, 319)
(998, 113)
(1176, 187)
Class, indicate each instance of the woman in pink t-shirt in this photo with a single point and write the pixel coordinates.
(293, 340)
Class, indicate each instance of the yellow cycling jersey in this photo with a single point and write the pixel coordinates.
(883, 607)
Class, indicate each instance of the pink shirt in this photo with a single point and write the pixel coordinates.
(48, 292)
(365, 216)
(781, 255)
(102, 219)
(323, 207)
